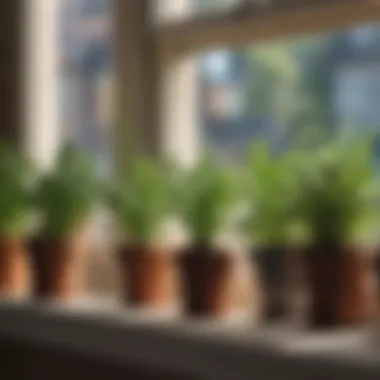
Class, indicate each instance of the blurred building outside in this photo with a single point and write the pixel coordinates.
(330, 81)
(85, 67)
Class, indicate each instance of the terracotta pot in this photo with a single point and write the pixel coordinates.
(274, 267)
(208, 276)
(149, 276)
(57, 267)
(283, 279)
(377, 270)
(13, 266)
(343, 286)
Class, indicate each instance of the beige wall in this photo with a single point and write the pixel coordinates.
(41, 135)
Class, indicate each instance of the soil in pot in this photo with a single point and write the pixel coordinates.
(13, 267)
(342, 285)
(57, 267)
(208, 278)
(149, 276)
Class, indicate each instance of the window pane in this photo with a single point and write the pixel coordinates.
(291, 91)
(85, 76)
(173, 10)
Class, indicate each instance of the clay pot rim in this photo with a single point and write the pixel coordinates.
(284, 247)
(14, 239)
(54, 240)
(143, 249)
(209, 250)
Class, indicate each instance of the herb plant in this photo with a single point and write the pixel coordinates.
(65, 196)
(272, 194)
(337, 192)
(15, 193)
(140, 201)
(206, 196)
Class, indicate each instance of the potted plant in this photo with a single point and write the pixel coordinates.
(206, 196)
(65, 198)
(140, 203)
(271, 224)
(15, 219)
(337, 202)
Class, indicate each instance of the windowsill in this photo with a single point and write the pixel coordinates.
(210, 349)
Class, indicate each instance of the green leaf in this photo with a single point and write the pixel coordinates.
(273, 195)
(15, 192)
(66, 196)
(337, 190)
(206, 195)
(141, 200)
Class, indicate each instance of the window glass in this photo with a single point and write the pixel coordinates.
(291, 91)
(85, 76)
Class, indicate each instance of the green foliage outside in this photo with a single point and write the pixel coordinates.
(288, 81)
(289, 86)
